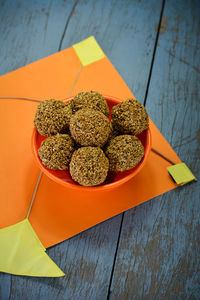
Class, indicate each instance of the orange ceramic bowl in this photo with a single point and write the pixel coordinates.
(113, 179)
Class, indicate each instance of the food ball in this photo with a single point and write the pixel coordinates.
(130, 117)
(90, 127)
(124, 152)
(56, 151)
(52, 116)
(92, 100)
(89, 166)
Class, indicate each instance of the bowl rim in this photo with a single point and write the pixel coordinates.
(91, 188)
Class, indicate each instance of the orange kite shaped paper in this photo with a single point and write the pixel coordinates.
(59, 213)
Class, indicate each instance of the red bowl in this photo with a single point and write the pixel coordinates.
(113, 179)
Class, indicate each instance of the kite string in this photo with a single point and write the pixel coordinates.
(40, 175)
(37, 100)
(21, 98)
(163, 156)
(34, 194)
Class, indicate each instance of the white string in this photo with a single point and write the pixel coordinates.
(34, 194)
(163, 156)
(21, 98)
(40, 176)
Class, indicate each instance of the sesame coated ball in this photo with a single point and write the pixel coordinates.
(90, 127)
(52, 116)
(130, 117)
(92, 100)
(56, 151)
(124, 152)
(89, 166)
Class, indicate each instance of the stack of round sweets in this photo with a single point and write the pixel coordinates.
(81, 139)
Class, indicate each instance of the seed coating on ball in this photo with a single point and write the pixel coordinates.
(89, 166)
(124, 152)
(90, 127)
(52, 116)
(56, 151)
(92, 100)
(130, 117)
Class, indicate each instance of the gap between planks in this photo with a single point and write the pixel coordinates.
(154, 51)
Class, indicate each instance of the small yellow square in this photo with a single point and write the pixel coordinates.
(88, 51)
(181, 173)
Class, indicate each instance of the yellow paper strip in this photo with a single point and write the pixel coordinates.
(88, 51)
(181, 173)
(22, 253)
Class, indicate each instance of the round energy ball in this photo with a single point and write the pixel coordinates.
(90, 127)
(56, 151)
(130, 117)
(124, 152)
(89, 166)
(52, 116)
(92, 100)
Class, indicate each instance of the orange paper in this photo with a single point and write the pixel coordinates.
(59, 213)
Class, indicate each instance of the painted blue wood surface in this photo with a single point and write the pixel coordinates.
(158, 255)
(124, 30)
(86, 259)
(30, 30)
(161, 228)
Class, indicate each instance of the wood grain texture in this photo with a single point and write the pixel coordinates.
(158, 251)
(36, 29)
(30, 30)
(86, 260)
(124, 30)
(158, 255)
(5, 286)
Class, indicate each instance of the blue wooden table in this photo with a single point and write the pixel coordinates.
(151, 251)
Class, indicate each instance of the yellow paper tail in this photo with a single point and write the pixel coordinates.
(22, 253)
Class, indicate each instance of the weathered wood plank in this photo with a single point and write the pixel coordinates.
(5, 286)
(158, 256)
(86, 259)
(124, 30)
(30, 30)
(121, 28)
